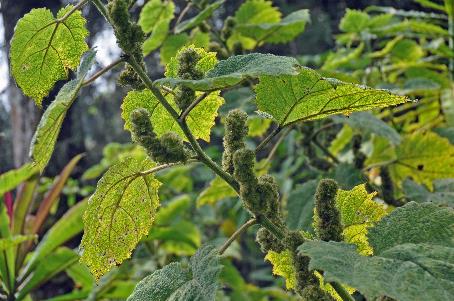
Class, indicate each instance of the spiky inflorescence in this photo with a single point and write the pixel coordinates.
(315, 293)
(236, 130)
(268, 190)
(227, 30)
(329, 226)
(167, 149)
(187, 60)
(130, 38)
(243, 162)
(268, 242)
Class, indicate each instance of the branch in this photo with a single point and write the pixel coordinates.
(102, 71)
(164, 166)
(341, 291)
(235, 235)
(76, 7)
(182, 14)
(267, 139)
(278, 142)
(193, 105)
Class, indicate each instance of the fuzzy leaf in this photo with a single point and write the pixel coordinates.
(12, 178)
(284, 31)
(414, 223)
(200, 120)
(424, 157)
(443, 192)
(199, 18)
(283, 266)
(43, 48)
(177, 282)
(45, 137)
(358, 212)
(119, 214)
(206, 62)
(217, 190)
(414, 246)
(309, 96)
(155, 18)
(237, 68)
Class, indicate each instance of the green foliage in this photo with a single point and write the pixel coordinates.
(309, 96)
(155, 18)
(300, 206)
(119, 214)
(44, 48)
(235, 69)
(283, 266)
(46, 134)
(217, 190)
(200, 120)
(199, 18)
(442, 192)
(419, 263)
(11, 179)
(198, 281)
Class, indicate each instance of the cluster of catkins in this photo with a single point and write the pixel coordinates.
(187, 60)
(130, 38)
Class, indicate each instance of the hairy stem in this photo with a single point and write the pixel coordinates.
(193, 105)
(103, 71)
(76, 7)
(341, 291)
(235, 235)
(267, 139)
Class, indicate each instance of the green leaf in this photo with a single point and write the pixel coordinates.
(217, 190)
(68, 226)
(443, 192)
(6, 243)
(253, 12)
(55, 263)
(155, 18)
(258, 126)
(173, 43)
(237, 68)
(199, 18)
(414, 26)
(43, 48)
(182, 238)
(177, 282)
(414, 223)
(172, 210)
(200, 120)
(45, 137)
(283, 266)
(206, 62)
(424, 157)
(309, 96)
(354, 21)
(414, 246)
(284, 31)
(12, 178)
(358, 213)
(366, 122)
(119, 214)
(430, 4)
(300, 206)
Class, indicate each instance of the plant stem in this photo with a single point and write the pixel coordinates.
(102, 71)
(76, 7)
(267, 139)
(193, 105)
(278, 142)
(182, 14)
(164, 166)
(341, 291)
(102, 10)
(235, 235)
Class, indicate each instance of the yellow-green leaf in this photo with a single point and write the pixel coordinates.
(199, 18)
(43, 48)
(119, 214)
(258, 126)
(12, 178)
(206, 62)
(358, 212)
(216, 191)
(309, 96)
(283, 266)
(200, 120)
(424, 157)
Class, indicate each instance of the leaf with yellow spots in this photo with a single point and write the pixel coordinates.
(44, 48)
(200, 120)
(119, 214)
(358, 212)
(283, 266)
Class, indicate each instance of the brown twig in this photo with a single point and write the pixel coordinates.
(235, 235)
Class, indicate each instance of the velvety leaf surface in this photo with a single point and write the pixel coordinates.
(443, 192)
(119, 214)
(237, 68)
(309, 96)
(283, 266)
(44, 48)
(45, 137)
(177, 282)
